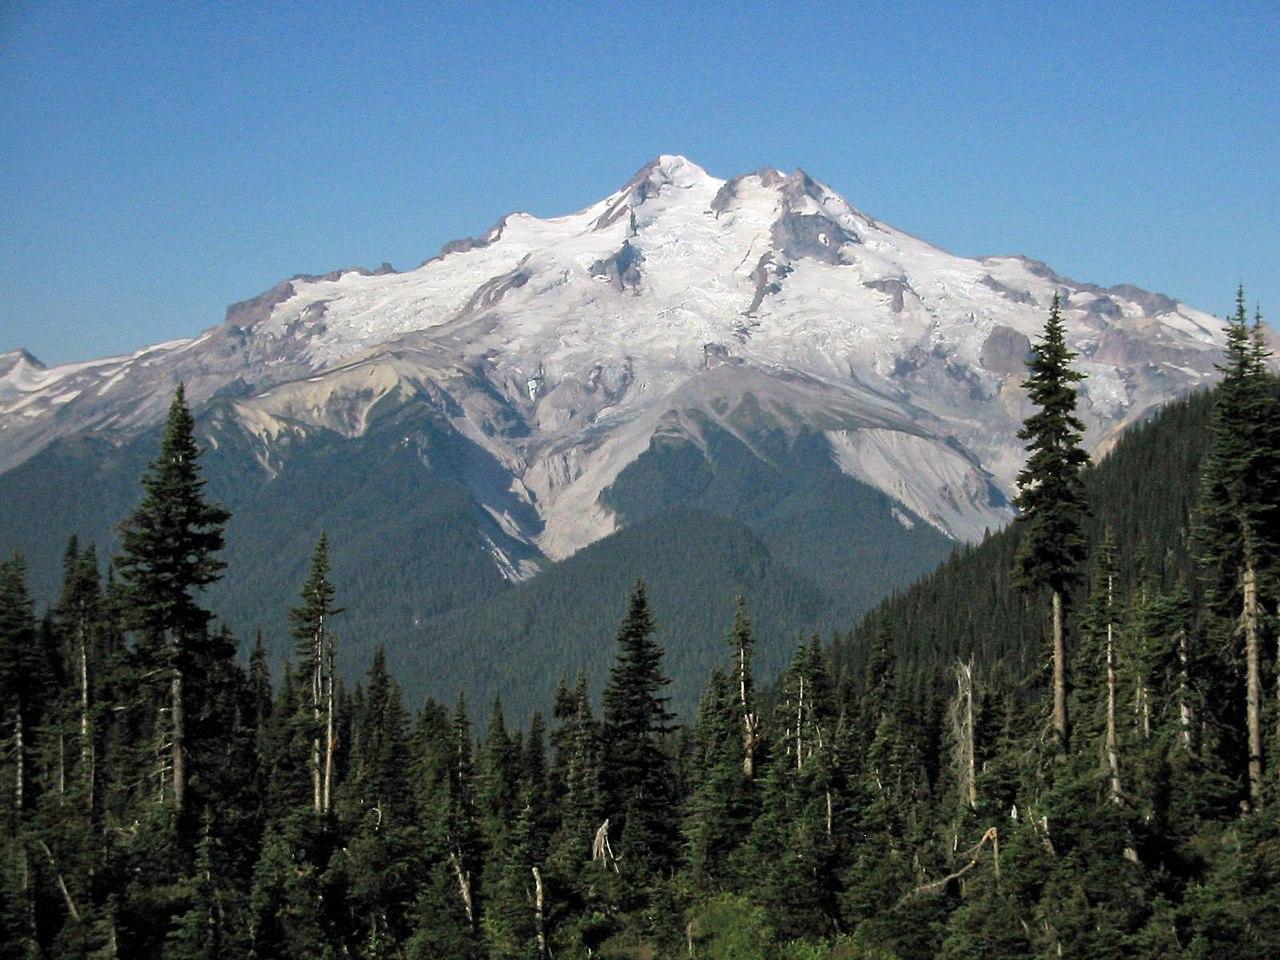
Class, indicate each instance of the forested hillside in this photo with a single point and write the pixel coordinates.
(1144, 491)
(817, 547)
(1065, 743)
(814, 548)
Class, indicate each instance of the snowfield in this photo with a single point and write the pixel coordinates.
(562, 345)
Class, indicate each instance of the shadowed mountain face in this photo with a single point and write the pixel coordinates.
(753, 353)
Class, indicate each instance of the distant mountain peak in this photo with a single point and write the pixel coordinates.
(564, 346)
(21, 355)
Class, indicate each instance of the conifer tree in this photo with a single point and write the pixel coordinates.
(1050, 491)
(17, 669)
(316, 650)
(463, 841)
(285, 921)
(534, 773)
(512, 913)
(637, 776)
(77, 617)
(1238, 516)
(578, 765)
(440, 924)
(718, 812)
(168, 550)
(204, 931)
(1098, 667)
(260, 716)
(380, 752)
(497, 781)
(284, 750)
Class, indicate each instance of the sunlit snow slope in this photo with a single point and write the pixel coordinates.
(762, 305)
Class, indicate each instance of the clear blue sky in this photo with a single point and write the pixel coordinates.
(158, 161)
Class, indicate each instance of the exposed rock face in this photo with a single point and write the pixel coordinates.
(1005, 351)
(895, 288)
(765, 305)
(622, 270)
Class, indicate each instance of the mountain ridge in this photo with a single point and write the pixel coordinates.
(755, 330)
(528, 316)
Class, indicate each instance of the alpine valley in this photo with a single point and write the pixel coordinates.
(719, 385)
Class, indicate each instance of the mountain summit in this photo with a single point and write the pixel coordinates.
(562, 346)
(753, 349)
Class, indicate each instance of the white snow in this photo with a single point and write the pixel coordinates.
(594, 370)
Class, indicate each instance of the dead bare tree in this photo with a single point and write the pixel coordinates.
(743, 644)
(974, 854)
(1249, 621)
(800, 726)
(601, 850)
(330, 726)
(1111, 742)
(539, 916)
(1186, 713)
(19, 761)
(60, 882)
(962, 728)
(464, 887)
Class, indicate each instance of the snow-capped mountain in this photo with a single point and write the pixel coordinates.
(562, 346)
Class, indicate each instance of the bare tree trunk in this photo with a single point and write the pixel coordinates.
(464, 887)
(1186, 713)
(62, 885)
(539, 917)
(800, 727)
(330, 734)
(1253, 682)
(1059, 672)
(1111, 739)
(178, 720)
(751, 740)
(750, 721)
(87, 758)
(20, 763)
(317, 699)
(62, 765)
(963, 731)
(28, 903)
(992, 836)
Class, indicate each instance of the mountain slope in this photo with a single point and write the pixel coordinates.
(1144, 490)
(561, 344)
(812, 548)
(756, 350)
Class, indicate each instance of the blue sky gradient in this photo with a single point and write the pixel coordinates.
(159, 161)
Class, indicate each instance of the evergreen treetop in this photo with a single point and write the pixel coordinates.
(170, 541)
(309, 618)
(1050, 499)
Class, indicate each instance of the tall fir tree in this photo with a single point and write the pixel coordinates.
(1238, 519)
(1051, 501)
(317, 657)
(169, 547)
(637, 770)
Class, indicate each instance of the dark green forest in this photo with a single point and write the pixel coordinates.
(1065, 742)
(814, 549)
